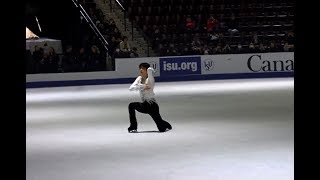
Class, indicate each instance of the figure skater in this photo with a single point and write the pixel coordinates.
(145, 84)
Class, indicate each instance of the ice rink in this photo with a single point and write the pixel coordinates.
(222, 130)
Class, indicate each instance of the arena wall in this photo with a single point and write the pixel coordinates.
(178, 68)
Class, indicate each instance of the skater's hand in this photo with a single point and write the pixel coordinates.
(147, 87)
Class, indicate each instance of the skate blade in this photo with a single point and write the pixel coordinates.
(165, 130)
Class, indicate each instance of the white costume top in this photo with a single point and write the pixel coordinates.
(146, 95)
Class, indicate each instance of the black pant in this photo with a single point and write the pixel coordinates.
(152, 109)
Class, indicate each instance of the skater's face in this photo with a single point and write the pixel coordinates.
(143, 72)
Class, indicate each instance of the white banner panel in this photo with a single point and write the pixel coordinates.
(129, 67)
(247, 63)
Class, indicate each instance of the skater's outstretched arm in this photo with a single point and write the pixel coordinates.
(150, 82)
(135, 86)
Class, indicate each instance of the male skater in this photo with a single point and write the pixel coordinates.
(145, 84)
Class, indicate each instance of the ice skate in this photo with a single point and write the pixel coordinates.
(132, 129)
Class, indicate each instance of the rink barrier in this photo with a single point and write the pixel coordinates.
(158, 79)
(186, 68)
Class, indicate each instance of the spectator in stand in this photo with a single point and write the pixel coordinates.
(233, 25)
(206, 50)
(267, 46)
(279, 45)
(172, 51)
(83, 59)
(290, 38)
(213, 37)
(45, 48)
(226, 49)
(92, 15)
(43, 65)
(286, 47)
(196, 42)
(262, 48)
(199, 26)
(117, 33)
(256, 48)
(221, 38)
(106, 25)
(117, 53)
(37, 56)
(190, 24)
(218, 49)
(272, 47)
(112, 24)
(255, 38)
(113, 44)
(69, 60)
(251, 47)
(212, 24)
(53, 60)
(196, 45)
(29, 60)
(125, 46)
(239, 49)
(99, 14)
(101, 28)
(156, 38)
(213, 49)
(118, 41)
(134, 53)
(184, 51)
(95, 62)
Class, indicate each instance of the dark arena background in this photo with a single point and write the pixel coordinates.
(224, 80)
(57, 19)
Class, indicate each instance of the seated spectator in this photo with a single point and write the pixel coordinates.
(212, 24)
(116, 33)
(218, 49)
(134, 53)
(112, 24)
(117, 53)
(290, 40)
(53, 60)
(113, 44)
(124, 45)
(261, 48)
(69, 60)
(157, 38)
(251, 47)
(206, 50)
(43, 65)
(226, 49)
(213, 37)
(95, 60)
(37, 56)
(190, 24)
(239, 49)
(233, 25)
(83, 59)
(286, 47)
(255, 38)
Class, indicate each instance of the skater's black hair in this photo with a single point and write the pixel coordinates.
(144, 65)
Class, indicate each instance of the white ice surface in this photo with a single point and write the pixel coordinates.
(222, 130)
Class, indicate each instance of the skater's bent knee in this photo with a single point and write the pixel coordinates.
(131, 106)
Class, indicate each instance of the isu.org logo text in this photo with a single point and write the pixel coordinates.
(183, 66)
(180, 66)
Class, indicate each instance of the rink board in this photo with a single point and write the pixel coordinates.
(181, 68)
